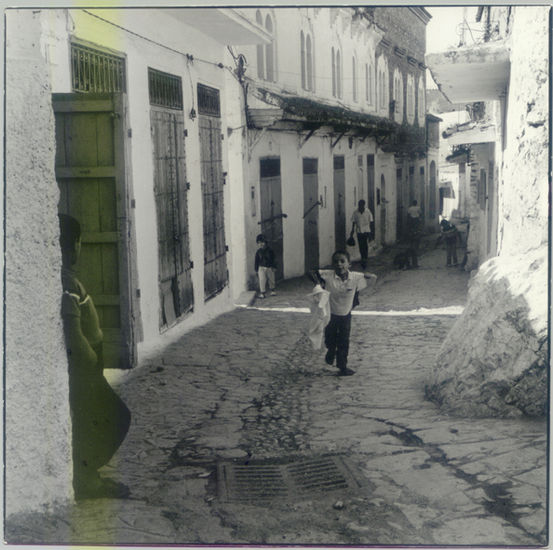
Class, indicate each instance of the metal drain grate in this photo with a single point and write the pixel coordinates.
(261, 482)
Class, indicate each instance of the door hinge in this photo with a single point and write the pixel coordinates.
(222, 137)
(138, 293)
(188, 186)
(191, 265)
(185, 132)
(133, 203)
(129, 132)
(226, 248)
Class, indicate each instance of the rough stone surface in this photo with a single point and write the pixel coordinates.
(249, 385)
(524, 187)
(38, 465)
(494, 361)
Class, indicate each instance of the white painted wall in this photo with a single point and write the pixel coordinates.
(37, 421)
(141, 53)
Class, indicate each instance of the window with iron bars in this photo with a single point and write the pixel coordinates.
(95, 71)
(208, 101)
(165, 89)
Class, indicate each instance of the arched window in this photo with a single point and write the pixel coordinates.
(369, 83)
(302, 59)
(338, 74)
(269, 51)
(333, 61)
(410, 108)
(421, 107)
(260, 49)
(354, 78)
(398, 97)
(309, 63)
(382, 86)
(266, 53)
(306, 62)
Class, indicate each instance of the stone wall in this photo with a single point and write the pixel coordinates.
(494, 362)
(37, 421)
(524, 187)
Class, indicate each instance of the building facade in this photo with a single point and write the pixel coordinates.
(335, 113)
(119, 118)
(175, 136)
(495, 360)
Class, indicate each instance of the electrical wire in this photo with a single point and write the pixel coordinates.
(188, 56)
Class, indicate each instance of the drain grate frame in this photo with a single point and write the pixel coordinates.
(305, 477)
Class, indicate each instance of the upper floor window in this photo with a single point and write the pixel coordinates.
(265, 53)
(398, 96)
(410, 107)
(354, 77)
(369, 83)
(96, 71)
(306, 61)
(382, 87)
(336, 73)
(421, 108)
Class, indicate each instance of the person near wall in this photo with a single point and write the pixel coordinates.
(265, 266)
(100, 419)
(361, 222)
(414, 233)
(451, 236)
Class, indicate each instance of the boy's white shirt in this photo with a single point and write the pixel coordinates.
(342, 291)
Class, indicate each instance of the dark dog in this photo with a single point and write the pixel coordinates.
(401, 260)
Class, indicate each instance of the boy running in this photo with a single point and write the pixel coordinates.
(342, 285)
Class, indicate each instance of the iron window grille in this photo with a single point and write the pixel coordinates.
(208, 101)
(165, 89)
(95, 71)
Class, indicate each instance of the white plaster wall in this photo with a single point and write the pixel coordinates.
(141, 54)
(286, 146)
(524, 187)
(329, 26)
(37, 421)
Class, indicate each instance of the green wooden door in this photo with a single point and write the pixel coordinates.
(170, 188)
(90, 175)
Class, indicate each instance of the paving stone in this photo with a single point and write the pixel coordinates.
(248, 386)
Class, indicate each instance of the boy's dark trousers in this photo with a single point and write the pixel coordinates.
(363, 240)
(337, 338)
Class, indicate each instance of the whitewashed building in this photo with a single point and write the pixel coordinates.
(120, 118)
(175, 136)
(336, 113)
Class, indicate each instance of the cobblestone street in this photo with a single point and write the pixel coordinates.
(247, 389)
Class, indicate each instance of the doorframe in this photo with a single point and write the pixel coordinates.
(131, 325)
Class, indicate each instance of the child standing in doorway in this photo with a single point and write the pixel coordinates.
(265, 266)
(342, 285)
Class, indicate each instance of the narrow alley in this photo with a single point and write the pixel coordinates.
(241, 434)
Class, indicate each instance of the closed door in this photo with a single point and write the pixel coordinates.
(370, 183)
(90, 174)
(170, 189)
(213, 180)
(271, 209)
(339, 203)
(382, 210)
(310, 213)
